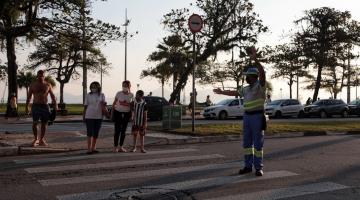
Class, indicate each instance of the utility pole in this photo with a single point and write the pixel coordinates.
(348, 77)
(127, 22)
(297, 86)
(101, 75)
(84, 51)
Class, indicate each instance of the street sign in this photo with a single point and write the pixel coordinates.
(195, 23)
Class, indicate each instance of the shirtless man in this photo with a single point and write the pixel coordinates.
(40, 109)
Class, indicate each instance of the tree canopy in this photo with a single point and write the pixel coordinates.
(227, 24)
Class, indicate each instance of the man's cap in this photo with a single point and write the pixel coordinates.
(252, 71)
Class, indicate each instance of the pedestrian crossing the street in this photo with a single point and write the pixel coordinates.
(210, 169)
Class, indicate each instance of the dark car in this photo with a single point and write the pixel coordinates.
(155, 105)
(354, 107)
(326, 108)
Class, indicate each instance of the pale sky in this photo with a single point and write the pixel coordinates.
(145, 17)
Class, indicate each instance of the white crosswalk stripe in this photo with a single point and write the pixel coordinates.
(121, 163)
(101, 155)
(139, 174)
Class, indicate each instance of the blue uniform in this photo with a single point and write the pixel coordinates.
(254, 124)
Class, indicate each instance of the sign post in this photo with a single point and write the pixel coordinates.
(195, 25)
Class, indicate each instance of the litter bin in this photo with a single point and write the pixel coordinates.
(171, 117)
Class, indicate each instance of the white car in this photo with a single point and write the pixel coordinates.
(284, 107)
(224, 109)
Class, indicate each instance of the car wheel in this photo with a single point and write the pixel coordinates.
(278, 114)
(301, 114)
(345, 114)
(223, 115)
(323, 114)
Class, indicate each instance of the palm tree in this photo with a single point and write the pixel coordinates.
(24, 81)
(50, 80)
(173, 55)
(161, 72)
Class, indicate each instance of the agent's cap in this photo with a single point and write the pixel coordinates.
(252, 71)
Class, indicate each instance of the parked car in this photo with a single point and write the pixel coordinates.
(224, 109)
(284, 107)
(354, 107)
(326, 108)
(155, 105)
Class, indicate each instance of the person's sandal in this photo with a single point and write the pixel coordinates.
(35, 143)
(122, 149)
(143, 151)
(43, 143)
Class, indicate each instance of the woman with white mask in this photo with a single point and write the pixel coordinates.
(94, 109)
(121, 115)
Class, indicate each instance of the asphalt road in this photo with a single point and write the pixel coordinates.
(300, 168)
(76, 126)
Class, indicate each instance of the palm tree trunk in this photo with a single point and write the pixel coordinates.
(62, 84)
(162, 88)
(291, 82)
(317, 84)
(348, 93)
(12, 66)
(27, 92)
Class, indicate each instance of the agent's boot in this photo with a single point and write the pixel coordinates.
(245, 170)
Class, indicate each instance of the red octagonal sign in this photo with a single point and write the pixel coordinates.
(195, 23)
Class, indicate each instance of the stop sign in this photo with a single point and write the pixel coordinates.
(195, 23)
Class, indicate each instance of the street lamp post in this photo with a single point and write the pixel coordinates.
(101, 75)
(83, 15)
(126, 24)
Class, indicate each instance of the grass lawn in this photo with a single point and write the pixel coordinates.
(273, 128)
(73, 109)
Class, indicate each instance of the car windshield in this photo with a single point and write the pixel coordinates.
(317, 103)
(354, 102)
(276, 102)
(224, 102)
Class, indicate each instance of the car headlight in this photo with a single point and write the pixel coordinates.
(314, 108)
(209, 110)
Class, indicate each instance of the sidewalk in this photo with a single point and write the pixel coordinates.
(62, 141)
(68, 118)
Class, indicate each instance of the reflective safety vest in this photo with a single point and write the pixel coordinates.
(254, 96)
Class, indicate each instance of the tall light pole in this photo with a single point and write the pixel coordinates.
(101, 74)
(84, 51)
(126, 24)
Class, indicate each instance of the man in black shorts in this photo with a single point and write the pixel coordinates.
(40, 109)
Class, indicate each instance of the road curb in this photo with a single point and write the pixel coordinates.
(38, 150)
(9, 151)
(315, 133)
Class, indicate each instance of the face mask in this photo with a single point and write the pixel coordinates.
(125, 89)
(94, 90)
